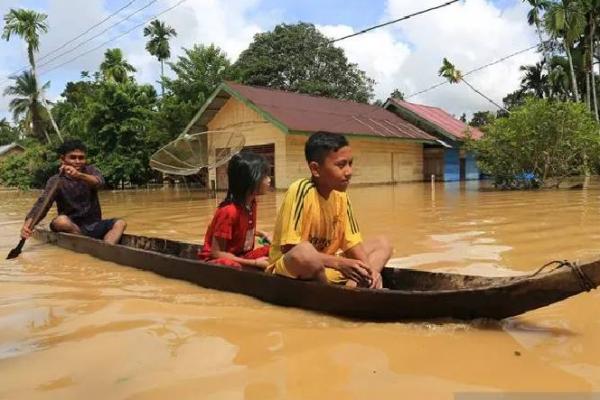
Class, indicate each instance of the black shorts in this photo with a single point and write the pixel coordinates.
(98, 230)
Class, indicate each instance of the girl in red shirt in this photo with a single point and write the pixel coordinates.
(229, 239)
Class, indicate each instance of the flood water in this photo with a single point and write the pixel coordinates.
(74, 327)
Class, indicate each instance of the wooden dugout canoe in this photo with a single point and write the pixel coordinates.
(410, 294)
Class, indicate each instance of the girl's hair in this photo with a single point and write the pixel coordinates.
(244, 173)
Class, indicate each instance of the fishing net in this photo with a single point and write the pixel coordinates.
(189, 153)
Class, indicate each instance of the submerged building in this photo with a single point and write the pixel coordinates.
(447, 159)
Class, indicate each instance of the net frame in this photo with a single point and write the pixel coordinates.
(190, 153)
(189, 168)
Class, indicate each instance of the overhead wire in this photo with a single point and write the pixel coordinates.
(472, 71)
(114, 38)
(99, 34)
(86, 31)
(393, 21)
(84, 42)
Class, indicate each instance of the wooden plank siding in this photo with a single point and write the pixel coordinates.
(377, 160)
(235, 115)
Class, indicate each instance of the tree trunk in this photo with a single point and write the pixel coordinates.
(594, 94)
(572, 70)
(162, 77)
(587, 90)
(45, 104)
(36, 120)
(587, 68)
(546, 63)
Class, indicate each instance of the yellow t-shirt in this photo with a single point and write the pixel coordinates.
(328, 224)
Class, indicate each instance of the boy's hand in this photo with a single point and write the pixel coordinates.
(262, 262)
(355, 270)
(376, 281)
(69, 171)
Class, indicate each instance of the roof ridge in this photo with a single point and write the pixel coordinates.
(421, 105)
(302, 94)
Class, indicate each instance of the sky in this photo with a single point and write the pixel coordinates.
(406, 55)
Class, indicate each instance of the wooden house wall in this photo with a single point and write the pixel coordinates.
(376, 160)
(235, 115)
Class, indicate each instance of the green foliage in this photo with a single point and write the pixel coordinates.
(299, 58)
(397, 94)
(8, 133)
(115, 67)
(482, 118)
(31, 169)
(450, 72)
(538, 145)
(25, 104)
(158, 45)
(27, 24)
(159, 33)
(120, 131)
(198, 73)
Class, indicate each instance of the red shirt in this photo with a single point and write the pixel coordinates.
(235, 224)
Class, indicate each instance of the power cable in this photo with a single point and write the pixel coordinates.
(114, 38)
(473, 70)
(393, 21)
(84, 42)
(99, 34)
(86, 31)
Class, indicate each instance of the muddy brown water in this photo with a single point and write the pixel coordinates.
(74, 327)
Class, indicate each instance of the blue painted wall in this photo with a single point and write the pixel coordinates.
(451, 165)
(472, 172)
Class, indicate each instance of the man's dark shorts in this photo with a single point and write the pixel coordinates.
(96, 230)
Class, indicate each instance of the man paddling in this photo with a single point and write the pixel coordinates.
(76, 197)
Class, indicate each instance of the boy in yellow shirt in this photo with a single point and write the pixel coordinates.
(316, 222)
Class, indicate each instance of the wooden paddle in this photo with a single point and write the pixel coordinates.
(17, 250)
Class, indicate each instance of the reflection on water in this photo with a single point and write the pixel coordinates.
(75, 327)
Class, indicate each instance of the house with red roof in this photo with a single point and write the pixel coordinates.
(277, 123)
(446, 159)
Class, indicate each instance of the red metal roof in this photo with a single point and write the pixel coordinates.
(440, 118)
(301, 112)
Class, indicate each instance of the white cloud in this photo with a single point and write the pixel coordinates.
(469, 34)
(406, 55)
(226, 24)
(409, 54)
(378, 53)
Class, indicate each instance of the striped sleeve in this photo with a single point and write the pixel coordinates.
(352, 235)
(291, 214)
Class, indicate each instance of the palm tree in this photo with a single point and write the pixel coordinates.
(534, 79)
(28, 24)
(453, 75)
(566, 20)
(115, 67)
(27, 104)
(592, 11)
(158, 45)
(559, 78)
(534, 18)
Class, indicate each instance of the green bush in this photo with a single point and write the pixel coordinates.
(539, 145)
(30, 169)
